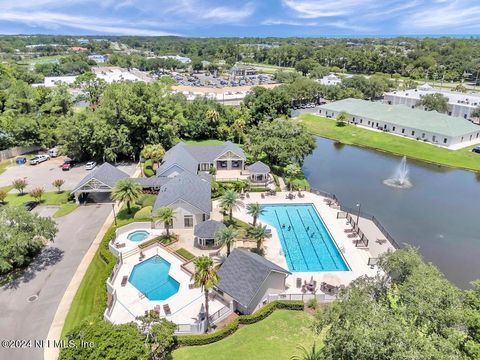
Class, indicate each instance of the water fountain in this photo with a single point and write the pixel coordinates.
(400, 177)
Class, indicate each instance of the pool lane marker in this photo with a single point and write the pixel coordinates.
(323, 240)
(310, 239)
(298, 242)
(286, 247)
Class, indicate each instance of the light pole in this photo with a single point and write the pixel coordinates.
(359, 206)
(114, 215)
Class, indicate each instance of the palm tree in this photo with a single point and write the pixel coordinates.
(255, 210)
(126, 190)
(226, 236)
(230, 201)
(313, 354)
(205, 277)
(259, 233)
(166, 215)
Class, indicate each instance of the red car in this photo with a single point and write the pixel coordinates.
(67, 166)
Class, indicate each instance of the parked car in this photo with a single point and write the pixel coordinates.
(30, 205)
(90, 165)
(39, 159)
(476, 149)
(53, 152)
(68, 164)
(21, 160)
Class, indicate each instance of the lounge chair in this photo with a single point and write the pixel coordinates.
(263, 196)
(120, 245)
(142, 256)
(157, 309)
(299, 283)
(167, 310)
(191, 286)
(247, 195)
(124, 280)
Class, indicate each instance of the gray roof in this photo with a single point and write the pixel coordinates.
(189, 156)
(259, 168)
(151, 182)
(187, 187)
(243, 273)
(207, 229)
(401, 115)
(105, 173)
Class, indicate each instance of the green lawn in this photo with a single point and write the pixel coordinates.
(413, 149)
(204, 142)
(65, 209)
(275, 338)
(48, 198)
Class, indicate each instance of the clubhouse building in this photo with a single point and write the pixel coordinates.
(427, 126)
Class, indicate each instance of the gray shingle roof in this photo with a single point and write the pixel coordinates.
(105, 173)
(207, 229)
(151, 182)
(189, 156)
(243, 273)
(259, 168)
(187, 187)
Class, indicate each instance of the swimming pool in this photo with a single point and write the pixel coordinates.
(151, 278)
(306, 242)
(138, 235)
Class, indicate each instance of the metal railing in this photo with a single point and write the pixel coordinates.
(220, 314)
(322, 298)
(363, 214)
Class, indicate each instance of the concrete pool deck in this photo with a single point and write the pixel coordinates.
(355, 257)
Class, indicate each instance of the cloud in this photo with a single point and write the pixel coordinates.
(447, 16)
(310, 9)
(229, 14)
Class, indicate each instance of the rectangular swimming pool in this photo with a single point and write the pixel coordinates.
(306, 242)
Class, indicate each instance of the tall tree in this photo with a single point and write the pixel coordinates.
(226, 237)
(128, 191)
(259, 233)
(166, 215)
(229, 201)
(437, 102)
(255, 210)
(205, 277)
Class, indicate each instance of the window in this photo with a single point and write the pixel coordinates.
(188, 221)
(368, 122)
(403, 131)
(393, 128)
(361, 120)
(444, 140)
(423, 135)
(413, 133)
(205, 217)
(433, 138)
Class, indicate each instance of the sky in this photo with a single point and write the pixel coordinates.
(204, 18)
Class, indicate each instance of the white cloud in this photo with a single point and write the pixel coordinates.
(225, 14)
(446, 16)
(310, 9)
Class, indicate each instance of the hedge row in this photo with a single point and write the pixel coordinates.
(203, 339)
(270, 308)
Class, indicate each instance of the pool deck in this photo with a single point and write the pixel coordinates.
(355, 257)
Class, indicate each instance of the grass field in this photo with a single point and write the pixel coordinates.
(413, 149)
(48, 198)
(273, 338)
(270, 69)
(65, 209)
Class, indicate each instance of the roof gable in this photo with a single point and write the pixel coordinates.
(106, 175)
(243, 273)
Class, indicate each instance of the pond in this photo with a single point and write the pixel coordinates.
(439, 213)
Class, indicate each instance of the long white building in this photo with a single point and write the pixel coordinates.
(459, 104)
(427, 126)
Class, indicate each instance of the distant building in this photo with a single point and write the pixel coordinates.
(52, 81)
(98, 58)
(427, 126)
(83, 41)
(111, 74)
(459, 104)
(331, 79)
(243, 70)
(77, 49)
(182, 59)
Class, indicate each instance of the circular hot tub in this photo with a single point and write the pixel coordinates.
(138, 235)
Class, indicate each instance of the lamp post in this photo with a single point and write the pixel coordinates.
(359, 206)
(114, 215)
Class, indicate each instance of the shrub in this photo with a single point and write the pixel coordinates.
(37, 193)
(143, 214)
(204, 339)
(185, 254)
(148, 168)
(270, 308)
(312, 303)
(20, 185)
(58, 183)
(146, 200)
(3, 195)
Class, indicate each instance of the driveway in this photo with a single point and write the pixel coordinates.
(43, 174)
(46, 281)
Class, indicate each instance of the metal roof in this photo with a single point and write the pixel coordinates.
(430, 121)
(207, 229)
(192, 189)
(243, 273)
(259, 168)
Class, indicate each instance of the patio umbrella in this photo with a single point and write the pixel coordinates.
(241, 192)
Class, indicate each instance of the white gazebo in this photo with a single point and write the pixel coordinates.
(259, 172)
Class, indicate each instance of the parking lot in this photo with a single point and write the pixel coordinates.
(43, 174)
(205, 79)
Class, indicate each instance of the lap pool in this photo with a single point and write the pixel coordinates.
(306, 242)
(151, 278)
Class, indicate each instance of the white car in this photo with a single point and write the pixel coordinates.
(90, 165)
(39, 159)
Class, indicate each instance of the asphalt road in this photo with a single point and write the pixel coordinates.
(46, 280)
